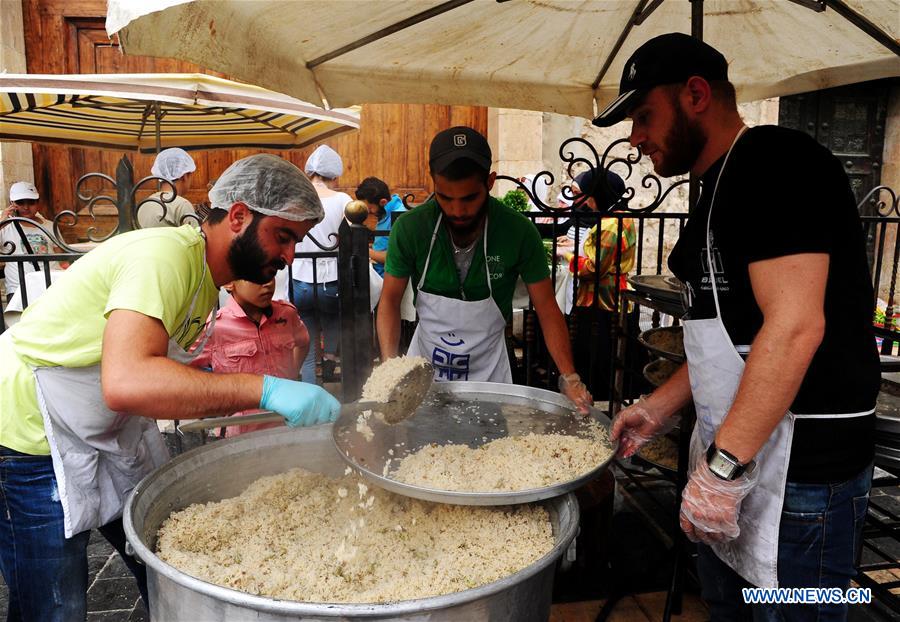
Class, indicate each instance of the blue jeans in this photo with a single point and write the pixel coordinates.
(319, 309)
(818, 546)
(46, 573)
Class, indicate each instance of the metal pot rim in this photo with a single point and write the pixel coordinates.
(291, 607)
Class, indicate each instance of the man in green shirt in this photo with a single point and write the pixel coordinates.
(101, 355)
(464, 251)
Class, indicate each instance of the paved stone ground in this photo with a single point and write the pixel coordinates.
(112, 593)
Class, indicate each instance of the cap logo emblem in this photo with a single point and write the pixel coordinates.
(632, 71)
(459, 140)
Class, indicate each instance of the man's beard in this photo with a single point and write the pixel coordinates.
(248, 260)
(464, 230)
(681, 146)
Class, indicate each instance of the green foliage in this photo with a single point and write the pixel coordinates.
(548, 252)
(516, 200)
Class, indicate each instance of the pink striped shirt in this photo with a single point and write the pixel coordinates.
(238, 345)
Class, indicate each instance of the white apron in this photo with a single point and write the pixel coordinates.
(715, 368)
(99, 455)
(463, 339)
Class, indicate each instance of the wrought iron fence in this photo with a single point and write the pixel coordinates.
(119, 194)
(655, 221)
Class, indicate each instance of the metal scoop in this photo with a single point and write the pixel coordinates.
(264, 417)
(407, 394)
(403, 400)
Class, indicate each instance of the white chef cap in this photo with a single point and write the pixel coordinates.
(172, 164)
(269, 185)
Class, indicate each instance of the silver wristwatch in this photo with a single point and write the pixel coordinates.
(724, 465)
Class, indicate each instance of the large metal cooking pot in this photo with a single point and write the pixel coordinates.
(225, 468)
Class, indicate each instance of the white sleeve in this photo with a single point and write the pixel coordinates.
(337, 215)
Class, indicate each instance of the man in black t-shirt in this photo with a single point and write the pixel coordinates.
(782, 366)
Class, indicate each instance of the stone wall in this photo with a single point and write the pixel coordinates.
(15, 158)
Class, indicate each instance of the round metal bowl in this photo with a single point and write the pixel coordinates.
(464, 413)
(660, 341)
(658, 371)
(664, 446)
(225, 468)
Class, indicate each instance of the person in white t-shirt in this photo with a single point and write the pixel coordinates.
(316, 290)
(177, 166)
(23, 238)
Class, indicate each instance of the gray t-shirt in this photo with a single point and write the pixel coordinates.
(463, 258)
(149, 214)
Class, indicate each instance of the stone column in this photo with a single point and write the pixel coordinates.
(15, 158)
(515, 137)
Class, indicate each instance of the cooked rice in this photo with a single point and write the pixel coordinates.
(387, 375)
(506, 464)
(662, 450)
(301, 536)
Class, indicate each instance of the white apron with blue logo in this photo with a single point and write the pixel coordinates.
(463, 339)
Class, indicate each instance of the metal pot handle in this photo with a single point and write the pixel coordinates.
(129, 550)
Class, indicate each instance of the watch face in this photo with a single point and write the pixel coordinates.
(719, 465)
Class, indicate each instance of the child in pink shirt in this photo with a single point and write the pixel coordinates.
(256, 335)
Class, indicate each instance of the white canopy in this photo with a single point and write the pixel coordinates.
(551, 55)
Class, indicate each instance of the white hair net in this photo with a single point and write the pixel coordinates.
(324, 162)
(269, 185)
(172, 164)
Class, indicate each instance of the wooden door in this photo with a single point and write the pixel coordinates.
(849, 120)
(68, 36)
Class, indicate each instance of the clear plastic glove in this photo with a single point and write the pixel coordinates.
(300, 403)
(634, 426)
(573, 388)
(710, 506)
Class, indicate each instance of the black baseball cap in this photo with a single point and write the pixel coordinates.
(458, 142)
(666, 59)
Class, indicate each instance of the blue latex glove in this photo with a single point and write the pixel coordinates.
(300, 403)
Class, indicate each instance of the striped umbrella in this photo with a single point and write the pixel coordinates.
(149, 112)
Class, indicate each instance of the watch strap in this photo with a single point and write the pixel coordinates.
(716, 456)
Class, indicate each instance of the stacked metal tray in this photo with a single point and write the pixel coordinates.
(470, 413)
(660, 287)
